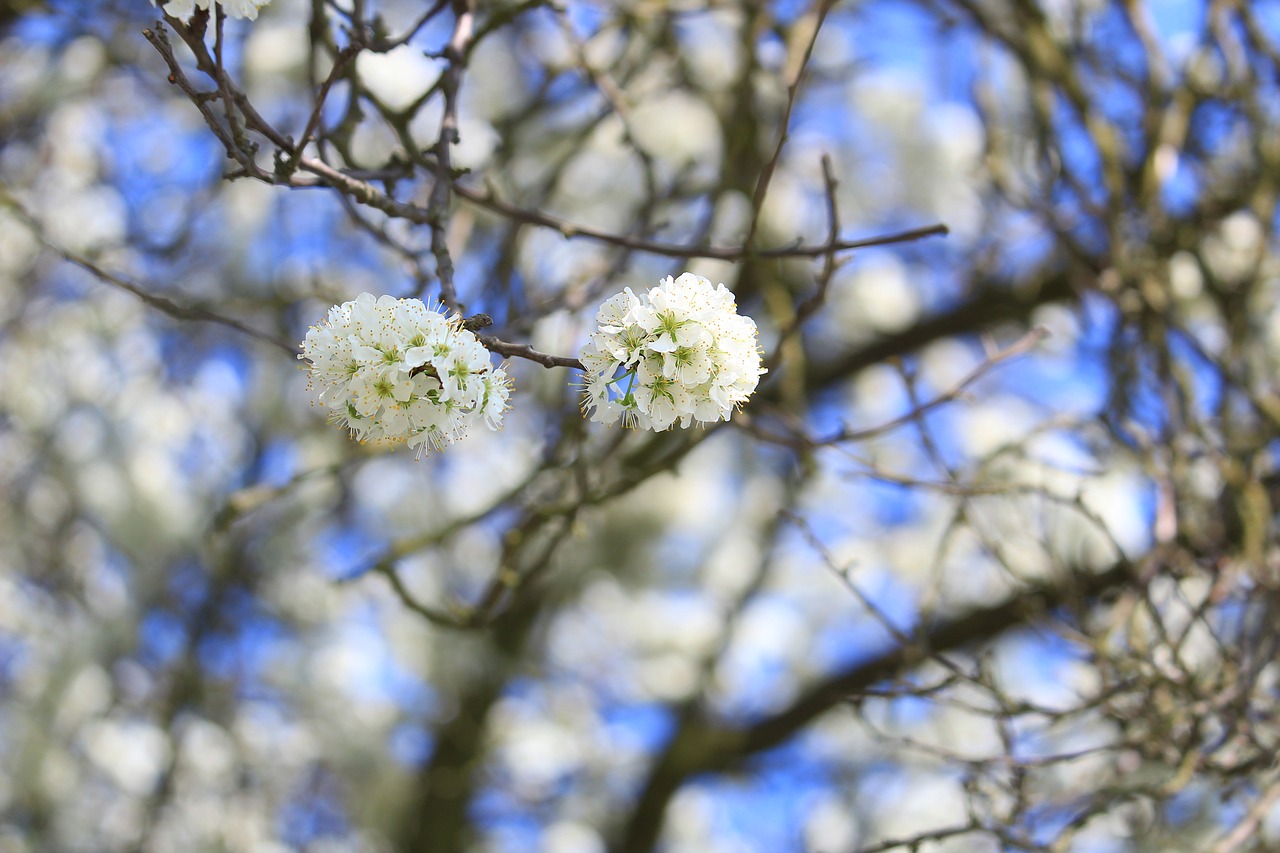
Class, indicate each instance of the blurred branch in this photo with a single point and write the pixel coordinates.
(990, 305)
(192, 313)
(488, 200)
(798, 440)
(703, 745)
(800, 53)
(1247, 828)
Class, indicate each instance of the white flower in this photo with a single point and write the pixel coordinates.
(397, 371)
(681, 352)
(184, 9)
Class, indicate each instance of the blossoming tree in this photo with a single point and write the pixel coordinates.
(766, 426)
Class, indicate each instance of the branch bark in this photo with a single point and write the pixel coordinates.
(702, 745)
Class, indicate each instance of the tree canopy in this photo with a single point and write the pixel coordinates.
(984, 559)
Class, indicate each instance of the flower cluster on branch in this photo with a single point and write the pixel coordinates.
(681, 352)
(398, 371)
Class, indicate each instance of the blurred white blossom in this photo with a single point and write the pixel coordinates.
(679, 352)
(184, 9)
(396, 371)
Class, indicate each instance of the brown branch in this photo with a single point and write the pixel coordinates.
(703, 745)
(489, 201)
(362, 191)
(819, 15)
(441, 193)
(813, 303)
(160, 41)
(162, 304)
(800, 441)
(991, 305)
(340, 62)
(1246, 830)
(527, 352)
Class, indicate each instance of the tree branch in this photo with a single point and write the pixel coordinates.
(702, 745)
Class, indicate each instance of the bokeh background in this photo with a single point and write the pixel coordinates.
(986, 564)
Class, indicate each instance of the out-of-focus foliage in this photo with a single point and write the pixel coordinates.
(986, 563)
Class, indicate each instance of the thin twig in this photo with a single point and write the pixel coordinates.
(527, 352)
(489, 201)
(160, 303)
(793, 89)
(340, 62)
(799, 441)
(441, 193)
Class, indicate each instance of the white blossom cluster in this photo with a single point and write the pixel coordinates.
(184, 9)
(396, 371)
(681, 352)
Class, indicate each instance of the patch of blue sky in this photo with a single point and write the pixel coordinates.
(1216, 124)
(69, 283)
(313, 813)
(637, 727)
(1038, 666)
(15, 653)
(1067, 383)
(828, 411)
(1110, 28)
(276, 463)
(1177, 22)
(308, 230)
(187, 582)
(1237, 804)
(820, 107)
(505, 825)
(337, 104)
(678, 554)
(954, 73)
(863, 636)
(1182, 188)
(867, 507)
(372, 672)
(162, 637)
(1268, 17)
(226, 371)
(1206, 378)
(1186, 805)
(217, 364)
(587, 18)
(889, 505)
(1024, 243)
(764, 682)
(147, 152)
(116, 571)
(787, 12)
(683, 222)
(1074, 380)
(910, 710)
(410, 745)
(212, 456)
(1080, 157)
(242, 653)
(1242, 621)
(573, 101)
(1045, 822)
(896, 35)
(1122, 104)
(479, 292)
(765, 812)
(52, 25)
(345, 550)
